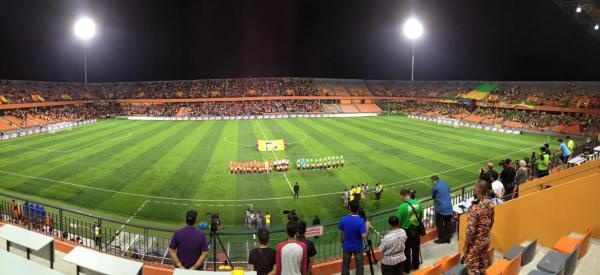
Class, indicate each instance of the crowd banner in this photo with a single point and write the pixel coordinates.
(270, 145)
(43, 128)
(461, 123)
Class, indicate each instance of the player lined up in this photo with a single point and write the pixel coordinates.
(361, 191)
(258, 166)
(320, 163)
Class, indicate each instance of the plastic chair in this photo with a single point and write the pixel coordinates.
(459, 269)
(527, 252)
(559, 263)
(566, 245)
(448, 262)
(505, 267)
(430, 270)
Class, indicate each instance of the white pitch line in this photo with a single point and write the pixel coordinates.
(134, 214)
(276, 159)
(246, 200)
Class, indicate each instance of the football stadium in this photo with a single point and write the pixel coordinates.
(161, 138)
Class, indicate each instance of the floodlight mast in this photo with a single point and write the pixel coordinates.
(84, 29)
(413, 30)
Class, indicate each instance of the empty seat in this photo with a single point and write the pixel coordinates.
(505, 267)
(527, 251)
(559, 263)
(459, 269)
(430, 270)
(566, 245)
(448, 262)
(539, 272)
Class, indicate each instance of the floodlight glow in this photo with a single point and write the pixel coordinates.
(84, 28)
(413, 29)
(578, 9)
(596, 27)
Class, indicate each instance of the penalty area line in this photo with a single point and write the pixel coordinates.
(276, 159)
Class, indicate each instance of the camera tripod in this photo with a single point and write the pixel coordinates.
(214, 236)
(370, 256)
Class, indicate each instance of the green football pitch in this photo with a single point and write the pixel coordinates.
(151, 172)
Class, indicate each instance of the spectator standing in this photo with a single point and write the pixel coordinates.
(392, 249)
(543, 165)
(353, 230)
(566, 153)
(443, 209)
(487, 174)
(311, 251)
(480, 219)
(409, 221)
(262, 259)
(291, 256)
(497, 188)
(189, 247)
(521, 176)
(570, 144)
(507, 177)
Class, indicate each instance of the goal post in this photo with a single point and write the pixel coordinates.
(59, 127)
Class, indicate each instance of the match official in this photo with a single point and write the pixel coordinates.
(296, 190)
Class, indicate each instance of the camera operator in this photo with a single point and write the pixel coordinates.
(409, 221)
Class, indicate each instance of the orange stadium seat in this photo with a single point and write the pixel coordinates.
(504, 267)
(448, 262)
(430, 270)
(566, 245)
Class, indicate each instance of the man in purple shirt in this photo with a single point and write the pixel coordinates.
(189, 247)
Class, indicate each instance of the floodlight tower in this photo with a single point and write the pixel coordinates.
(412, 30)
(84, 29)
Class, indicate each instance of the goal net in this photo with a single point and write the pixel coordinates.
(59, 127)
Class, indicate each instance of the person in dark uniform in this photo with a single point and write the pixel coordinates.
(296, 190)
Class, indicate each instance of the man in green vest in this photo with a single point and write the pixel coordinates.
(410, 213)
(570, 144)
(544, 163)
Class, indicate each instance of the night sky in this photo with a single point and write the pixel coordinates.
(165, 40)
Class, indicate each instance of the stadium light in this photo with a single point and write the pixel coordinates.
(578, 9)
(84, 29)
(413, 29)
(596, 27)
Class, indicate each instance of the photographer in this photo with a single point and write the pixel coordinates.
(507, 177)
(409, 221)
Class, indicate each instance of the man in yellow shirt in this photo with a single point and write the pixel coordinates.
(268, 220)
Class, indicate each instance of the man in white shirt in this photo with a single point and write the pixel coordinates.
(498, 187)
